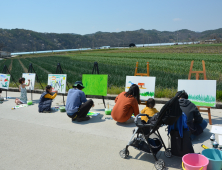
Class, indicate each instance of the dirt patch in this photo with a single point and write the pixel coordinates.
(24, 68)
(40, 67)
(10, 66)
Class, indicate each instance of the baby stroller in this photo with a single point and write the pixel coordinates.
(148, 139)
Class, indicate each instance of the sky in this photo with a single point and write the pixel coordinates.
(89, 16)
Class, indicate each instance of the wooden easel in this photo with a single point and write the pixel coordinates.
(197, 78)
(142, 74)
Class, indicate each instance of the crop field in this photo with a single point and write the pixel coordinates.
(166, 67)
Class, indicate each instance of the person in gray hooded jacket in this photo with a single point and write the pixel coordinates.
(195, 122)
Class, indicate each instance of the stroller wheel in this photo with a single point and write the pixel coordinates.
(124, 153)
(159, 165)
(168, 153)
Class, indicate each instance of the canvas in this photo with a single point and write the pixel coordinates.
(200, 92)
(4, 81)
(146, 85)
(95, 84)
(31, 77)
(58, 82)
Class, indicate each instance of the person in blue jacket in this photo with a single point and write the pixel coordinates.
(77, 106)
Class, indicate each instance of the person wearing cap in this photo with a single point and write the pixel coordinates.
(77, 106)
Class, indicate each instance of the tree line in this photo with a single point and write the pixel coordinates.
(21, 40)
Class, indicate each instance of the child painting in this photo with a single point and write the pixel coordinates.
(45, 101)
(22, 89)
(1, 98)
(149, 110)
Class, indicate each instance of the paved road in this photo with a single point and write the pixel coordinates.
(32, 140)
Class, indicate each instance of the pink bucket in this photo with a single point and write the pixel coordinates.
(193, 161)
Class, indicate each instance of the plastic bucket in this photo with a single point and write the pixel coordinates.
(108, 111)
(193, 161)
(62, 109)
(215, 158)
(29, 102)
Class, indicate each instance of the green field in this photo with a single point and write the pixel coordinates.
(167, 64)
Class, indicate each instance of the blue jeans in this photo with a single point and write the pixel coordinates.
(203, 125)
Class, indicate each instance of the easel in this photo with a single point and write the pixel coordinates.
(142, 74)
(96, 70)
(30, 71)
(197, 78)
(4, 71)
(60, 71)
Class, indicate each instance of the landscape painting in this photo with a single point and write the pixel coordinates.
(95, 84)
(200, 92)
(58, 82)
(4, 81)
(146, 85)
(31, 77)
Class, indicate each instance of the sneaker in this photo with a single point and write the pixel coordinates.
(74, 118)
(46, 111)
(83, 119)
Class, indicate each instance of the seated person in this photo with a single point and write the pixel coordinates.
(126, 105)
(195, 122)
(74, 107)
(1, 98)
(149, 110)
(45, 101)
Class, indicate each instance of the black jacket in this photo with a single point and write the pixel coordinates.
(193, 116)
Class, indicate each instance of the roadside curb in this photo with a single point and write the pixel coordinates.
(109, 97)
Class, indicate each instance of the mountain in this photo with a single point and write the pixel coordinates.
(21, 40)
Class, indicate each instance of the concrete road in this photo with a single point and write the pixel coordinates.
(32, 140)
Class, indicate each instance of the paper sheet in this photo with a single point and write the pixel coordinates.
(92, 114)
(216, 129)
(220, 139)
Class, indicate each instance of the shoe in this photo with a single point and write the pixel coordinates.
(46, 111)
(73, 119)
(83, 119)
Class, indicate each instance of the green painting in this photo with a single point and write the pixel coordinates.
(95, 84)
(147, 94)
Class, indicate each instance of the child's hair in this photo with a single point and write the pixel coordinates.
(0, 90)
(21, 80)
(150, 103)
(47, 88)
(133, 91)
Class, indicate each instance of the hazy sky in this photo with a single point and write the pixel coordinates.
(89, 16)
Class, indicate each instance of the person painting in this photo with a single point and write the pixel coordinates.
(77, 106)
(1, 98)
(195, 122)
(149, 110)
(126, 105)
(22, 89)
(46, 98)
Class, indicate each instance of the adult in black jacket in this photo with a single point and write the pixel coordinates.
(195, 121)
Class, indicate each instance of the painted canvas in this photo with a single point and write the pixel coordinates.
(4, 81)
(146, 85)
(95, 84)
(31, 77)
(200, 92)
(58, 82)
